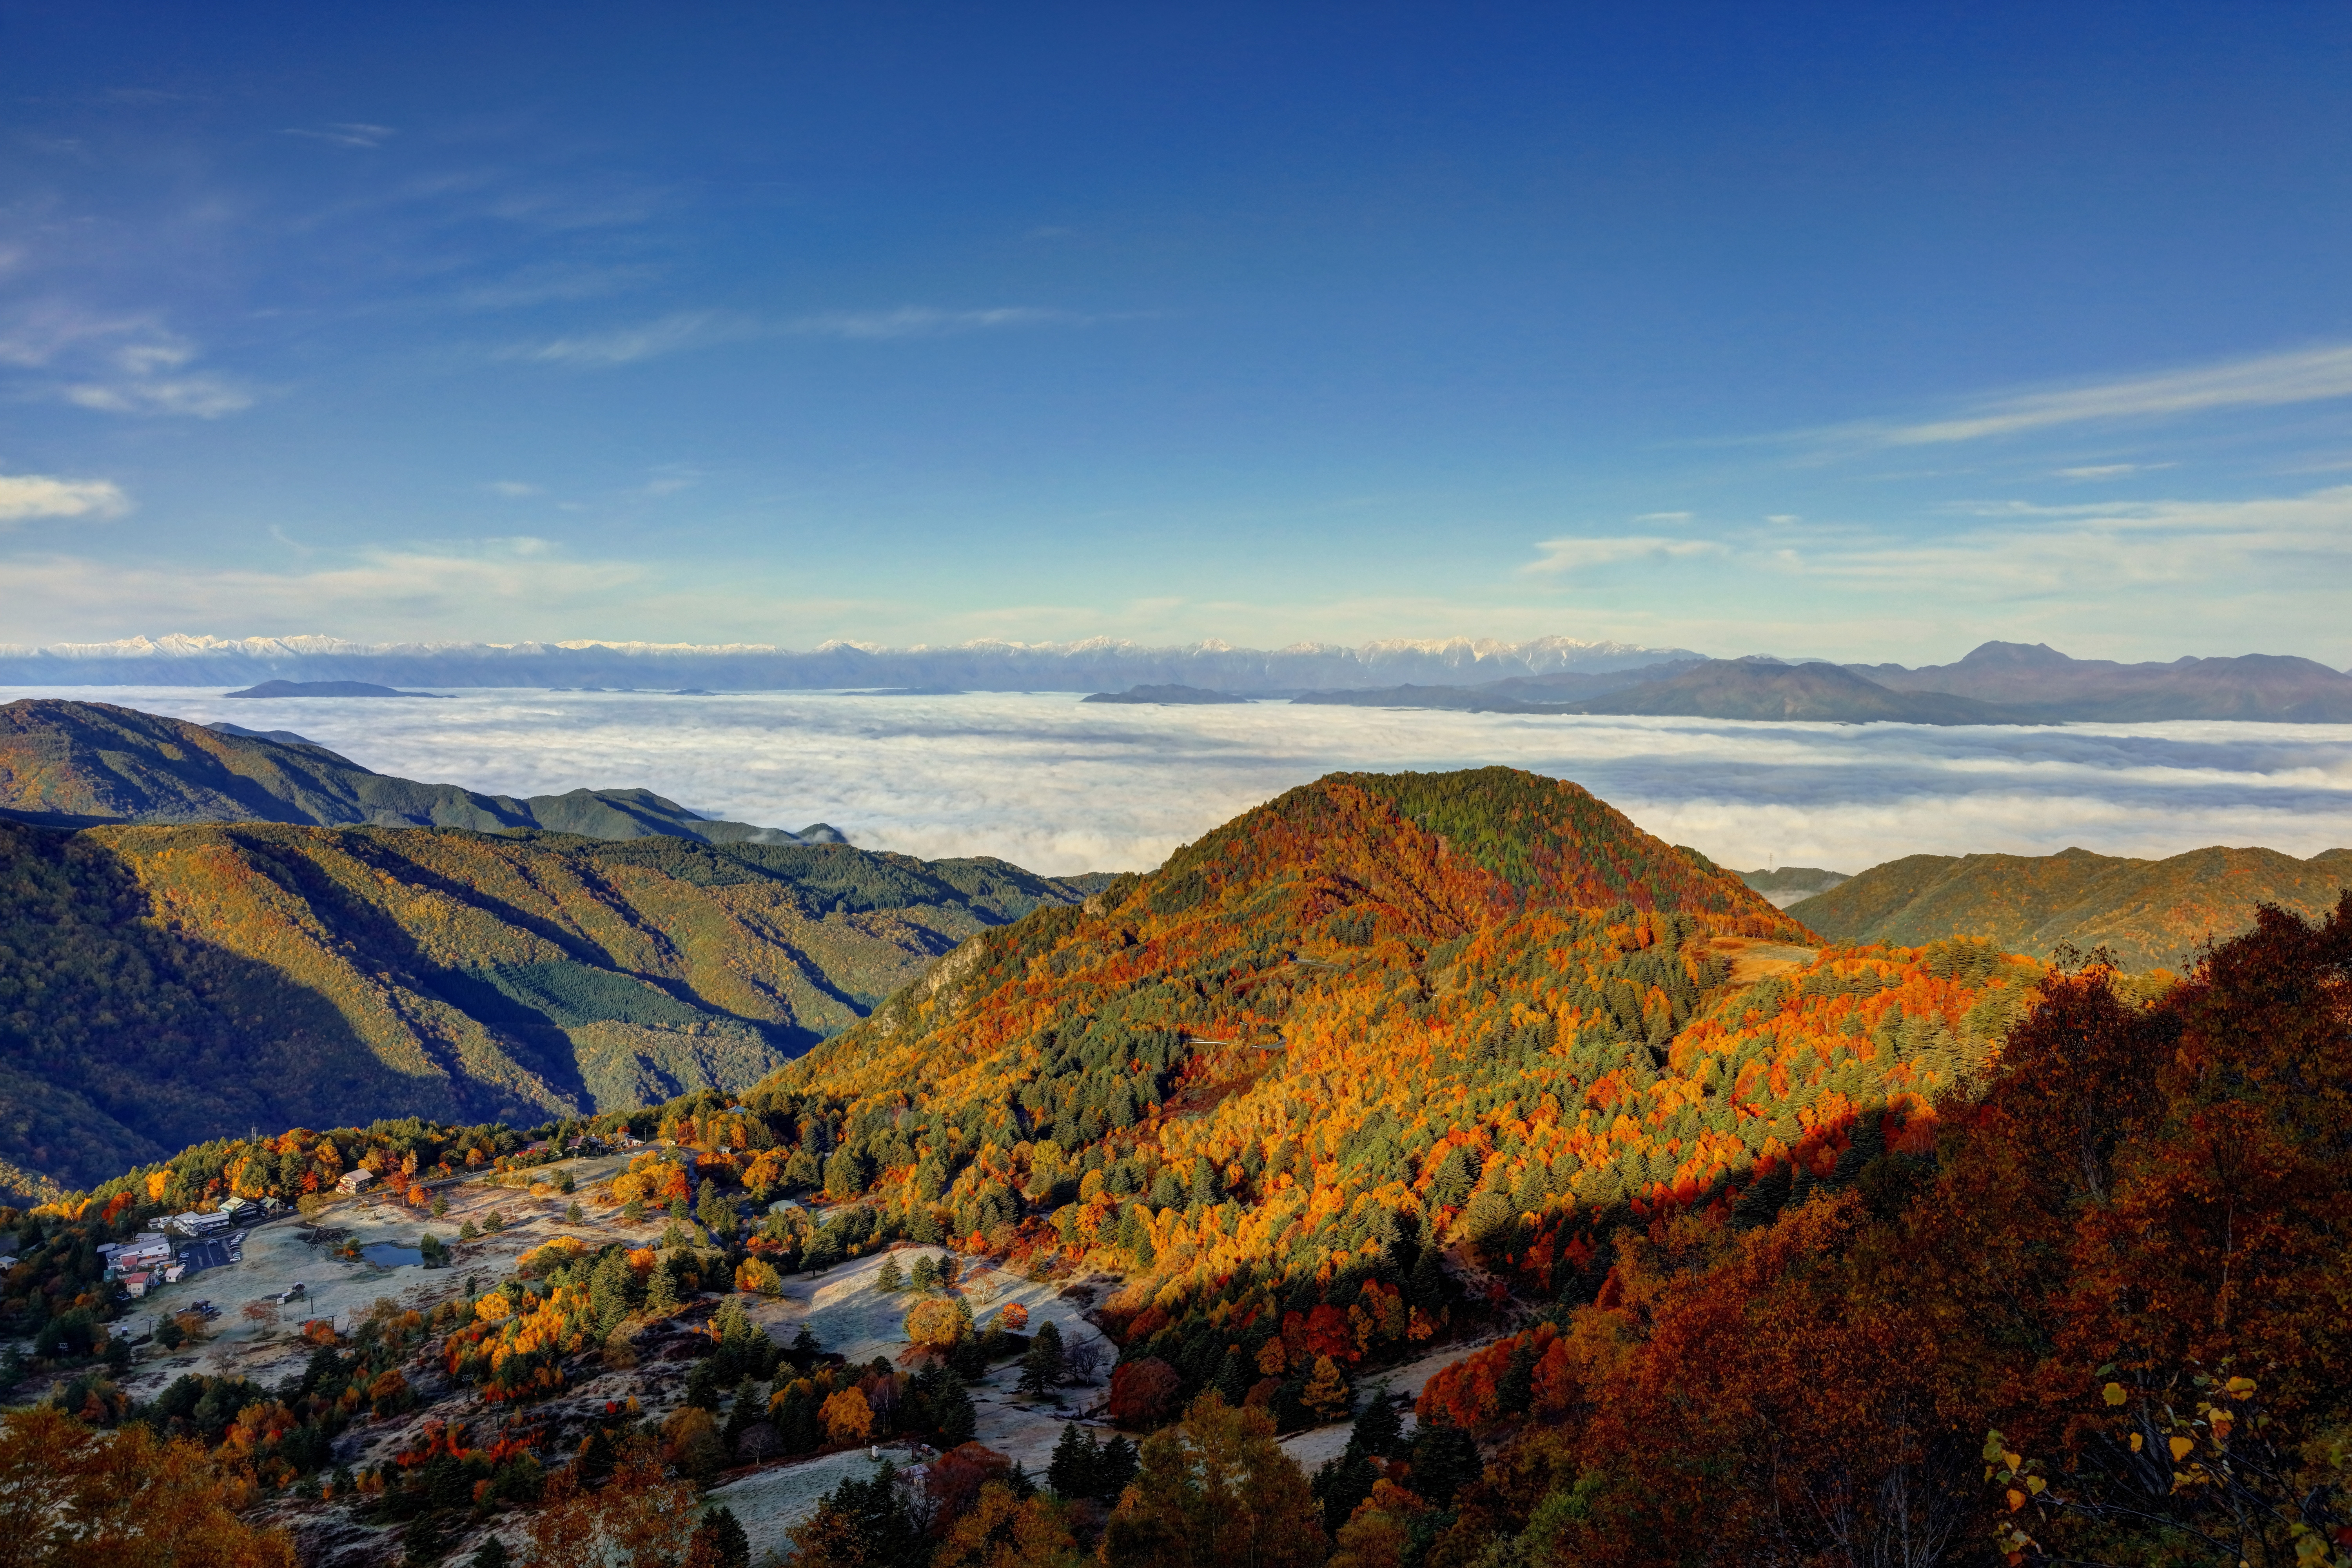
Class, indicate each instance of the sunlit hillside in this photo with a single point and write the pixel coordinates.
(2147, 914)
(1379, 1018)
(162, 986)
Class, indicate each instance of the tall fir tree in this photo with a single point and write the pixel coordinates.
(718, 1542)
(1071, 1471)
(1041, 1365)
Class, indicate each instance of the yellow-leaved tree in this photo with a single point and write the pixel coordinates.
(1215, 1489)
(73, 1497)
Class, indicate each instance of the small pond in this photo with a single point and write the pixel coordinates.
(390, 1254)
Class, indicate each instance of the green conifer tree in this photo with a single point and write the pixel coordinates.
(719, 1541)
(1376, 1431)
(1233, 1378)
(1115, 1465)
(1071, 1471)
(958, 1420)
(661, 1291)
(1041, 1365)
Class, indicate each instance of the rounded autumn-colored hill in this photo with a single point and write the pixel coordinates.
(1449, 850)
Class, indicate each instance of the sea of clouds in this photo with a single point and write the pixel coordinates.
(1059, 787)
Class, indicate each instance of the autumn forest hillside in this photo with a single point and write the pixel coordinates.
(1380, 1022)
(2146, 915)
(1967, 1257)
(75, 765)
(163, 986)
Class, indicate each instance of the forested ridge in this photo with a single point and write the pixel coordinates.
(2146, 915)
(75, 765)
(159, 986)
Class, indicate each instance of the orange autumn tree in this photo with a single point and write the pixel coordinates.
(71, 1497)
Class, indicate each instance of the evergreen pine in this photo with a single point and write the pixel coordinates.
(1514, 1390)
(805, 1349)
(491, 1553)
(749, 1407)
(719, 1541)
(1376, 1432)
(1233, 1379)
(1115, 1463)
(797, 1431)
(955, 1413)
(1425, 1286)
(1341, 1484)
(1444, 1460)
(1041, 1366)
(1071, 1471)
(927, 1273)
(890, 1278)
(661, 1291)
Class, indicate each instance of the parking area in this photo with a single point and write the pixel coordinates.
(217, 1252)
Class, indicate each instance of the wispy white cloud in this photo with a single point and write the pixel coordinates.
(2100, 554)
(24, 497)
(2265, 381)
(548, 285)
(115, 365)
(514, 490)
(627, 345)
(1664, 517)
(1574, 555)
(688, 330)
(922, 320)
(196, 396)
(2111, 471)
(344, 134)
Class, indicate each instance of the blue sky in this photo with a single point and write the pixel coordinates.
(1867, 332)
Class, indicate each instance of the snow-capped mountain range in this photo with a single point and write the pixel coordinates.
(1095, 664)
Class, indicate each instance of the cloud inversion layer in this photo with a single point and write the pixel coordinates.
(1059, 788)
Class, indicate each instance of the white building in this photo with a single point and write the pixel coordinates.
(149, 1249)
(354, 1180)
(198, 1224)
